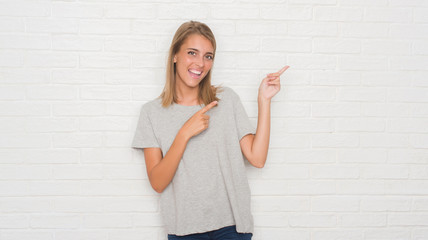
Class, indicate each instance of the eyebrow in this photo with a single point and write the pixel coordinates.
(196, 50)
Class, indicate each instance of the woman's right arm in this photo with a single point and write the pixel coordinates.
(161, 170)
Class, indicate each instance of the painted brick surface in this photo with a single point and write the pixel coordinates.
(349, 146)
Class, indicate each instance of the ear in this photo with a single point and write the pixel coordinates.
(175, 58)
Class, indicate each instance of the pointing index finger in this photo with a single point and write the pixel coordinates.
(283, 70)
(208, 107)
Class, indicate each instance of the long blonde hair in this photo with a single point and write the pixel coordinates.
(207, 93)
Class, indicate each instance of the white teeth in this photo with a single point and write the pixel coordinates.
(195, 72)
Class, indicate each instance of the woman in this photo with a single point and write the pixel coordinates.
(195, 137)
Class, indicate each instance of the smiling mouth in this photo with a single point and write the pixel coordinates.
(195, 73)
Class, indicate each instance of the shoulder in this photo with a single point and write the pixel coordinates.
(152, 106)
(227, 93)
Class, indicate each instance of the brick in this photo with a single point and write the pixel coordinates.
(420, 15)
(76, 10)
(386, 14)
(51, 60)
(184, 11)
(25, 204)
(312, 61)
(412, 3)
(12, 125)
(25, 172)
(411, 94)
(129, 45)
(25, 140)
(140, 233)
(394, 47)
(54, 188)
(291, 12)
(238, 44)
(385, 172)
(361, 187)
(339, 14)
(335, 204)
(363, 63)
(408, 187)
(419, 140)
(340, 109)
(15, 221)
(41, 25)
(411, 31)
(14, 188)
(385, 204)
(76, 43)
(362, 155)
(77, 139)
(418, 156)
(104, 61)
(365, 30)
(408, 219)
(313, 220)
(303, 156)
(281, 172)
(334, 172)
(363, 2)
(105, 93)
(107, 220)
(26, 75)
(261, 27)
(363, 220)
(132, 11)
(107, 155)
(328, 45)
(116, 188)
(334, 140)
(237, 13)
(19, 41)
(41, 92)
(407, 125)
(10, 58)
(271, 220)
(82, 234)
(77, 76)
(25, 9)
(290, 141)
(70, 172)
(360, 125)
(117, 26)
(348, 234)
(280, 204)
(386, 79)
(12, 93)
(286, 45)
(27, 235)
(310, 29)
(281, 233)
(388, 234)
(418, 172)
(51, 156)
(104, 124)
(55, 221)
(409, 63)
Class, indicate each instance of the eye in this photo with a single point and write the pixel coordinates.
(209, 57)
(191, 53)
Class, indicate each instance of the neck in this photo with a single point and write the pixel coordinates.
(187, 96)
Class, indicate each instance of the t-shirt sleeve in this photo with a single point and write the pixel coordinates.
(144, 136)
(243, 123)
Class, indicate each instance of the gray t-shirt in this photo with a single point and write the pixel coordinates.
(210, 188)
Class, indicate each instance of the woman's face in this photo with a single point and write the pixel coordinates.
(193, 61)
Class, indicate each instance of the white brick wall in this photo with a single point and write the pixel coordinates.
(349, 145)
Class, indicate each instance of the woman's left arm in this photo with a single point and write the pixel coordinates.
(255, 147)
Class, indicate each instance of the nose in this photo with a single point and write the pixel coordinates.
(200, 62)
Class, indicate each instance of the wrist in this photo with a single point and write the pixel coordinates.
(264, 101)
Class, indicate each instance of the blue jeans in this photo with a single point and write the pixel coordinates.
(226, 233)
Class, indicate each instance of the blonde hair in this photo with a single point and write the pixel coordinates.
(207, 93)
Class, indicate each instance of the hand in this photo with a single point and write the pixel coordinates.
(198, 122)
(271, 84)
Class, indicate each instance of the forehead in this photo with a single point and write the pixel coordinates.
(198, 42)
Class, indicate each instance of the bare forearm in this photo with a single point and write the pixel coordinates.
(163, 173)
(261, 139)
